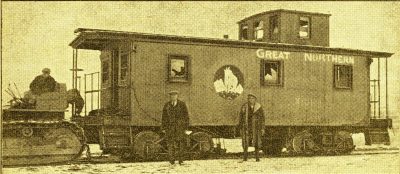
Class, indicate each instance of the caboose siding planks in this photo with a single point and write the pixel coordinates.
(307, 96)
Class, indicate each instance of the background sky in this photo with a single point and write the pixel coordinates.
(36, 34)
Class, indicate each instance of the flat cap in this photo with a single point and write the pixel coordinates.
(251, 95)
(45, 70)
(173, 92)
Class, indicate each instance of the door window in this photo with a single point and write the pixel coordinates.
(123, 69)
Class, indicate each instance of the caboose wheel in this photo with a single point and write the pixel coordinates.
(146, 145)
(202, 142)
(343, 142)
(303, 143)
(27, 131)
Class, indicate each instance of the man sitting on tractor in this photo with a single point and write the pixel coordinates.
(43, 83)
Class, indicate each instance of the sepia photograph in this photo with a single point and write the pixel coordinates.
(200, 87)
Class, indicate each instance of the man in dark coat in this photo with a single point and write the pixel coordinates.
(251, 125)
(74, 97)
(175, 121)
(43, 83)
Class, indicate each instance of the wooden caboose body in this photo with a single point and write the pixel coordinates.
(321, 90)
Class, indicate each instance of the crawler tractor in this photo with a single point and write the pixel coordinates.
(35, 130)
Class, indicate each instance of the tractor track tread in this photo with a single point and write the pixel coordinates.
(75, 128)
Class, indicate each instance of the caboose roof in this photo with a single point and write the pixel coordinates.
(283, 11)
(97, 39)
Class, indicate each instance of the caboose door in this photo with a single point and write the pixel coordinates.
(115, 93)
(121, 81)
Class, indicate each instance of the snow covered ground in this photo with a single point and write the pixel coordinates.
(360, 163)
(376, 164)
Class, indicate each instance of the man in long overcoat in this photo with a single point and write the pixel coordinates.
(251, 125)
(175, 121)
(43, 83)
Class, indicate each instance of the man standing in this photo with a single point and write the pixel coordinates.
(251, 125)
(175, 121)
(74, 97)
(43, 83)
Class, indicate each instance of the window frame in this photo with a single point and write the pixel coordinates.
(105, 58)
(257, 28)
(271, 28)
(242, 35)
(123, 82)
(335, 76)
(105, 62)
(309, 27)
(280, 73)
(186, 59)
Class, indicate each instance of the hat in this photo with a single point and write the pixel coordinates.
(173, 92)
(44, 70)
(251, 95)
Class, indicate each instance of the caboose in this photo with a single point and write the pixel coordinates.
(314, 96)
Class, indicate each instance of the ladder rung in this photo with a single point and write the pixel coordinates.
(116, 135)
(377, 131)
(118, 145)
(117, 132)
(92, 91)
(92, 73)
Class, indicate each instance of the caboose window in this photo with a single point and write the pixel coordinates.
(274, 26)
(104, 71)
(123, 67)
(243, 32)
(178, 68)
(258, 30)
(343, 76)
(271, 72)
(304, 30)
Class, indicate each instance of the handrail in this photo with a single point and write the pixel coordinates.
(91, 91)
(376, 98)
